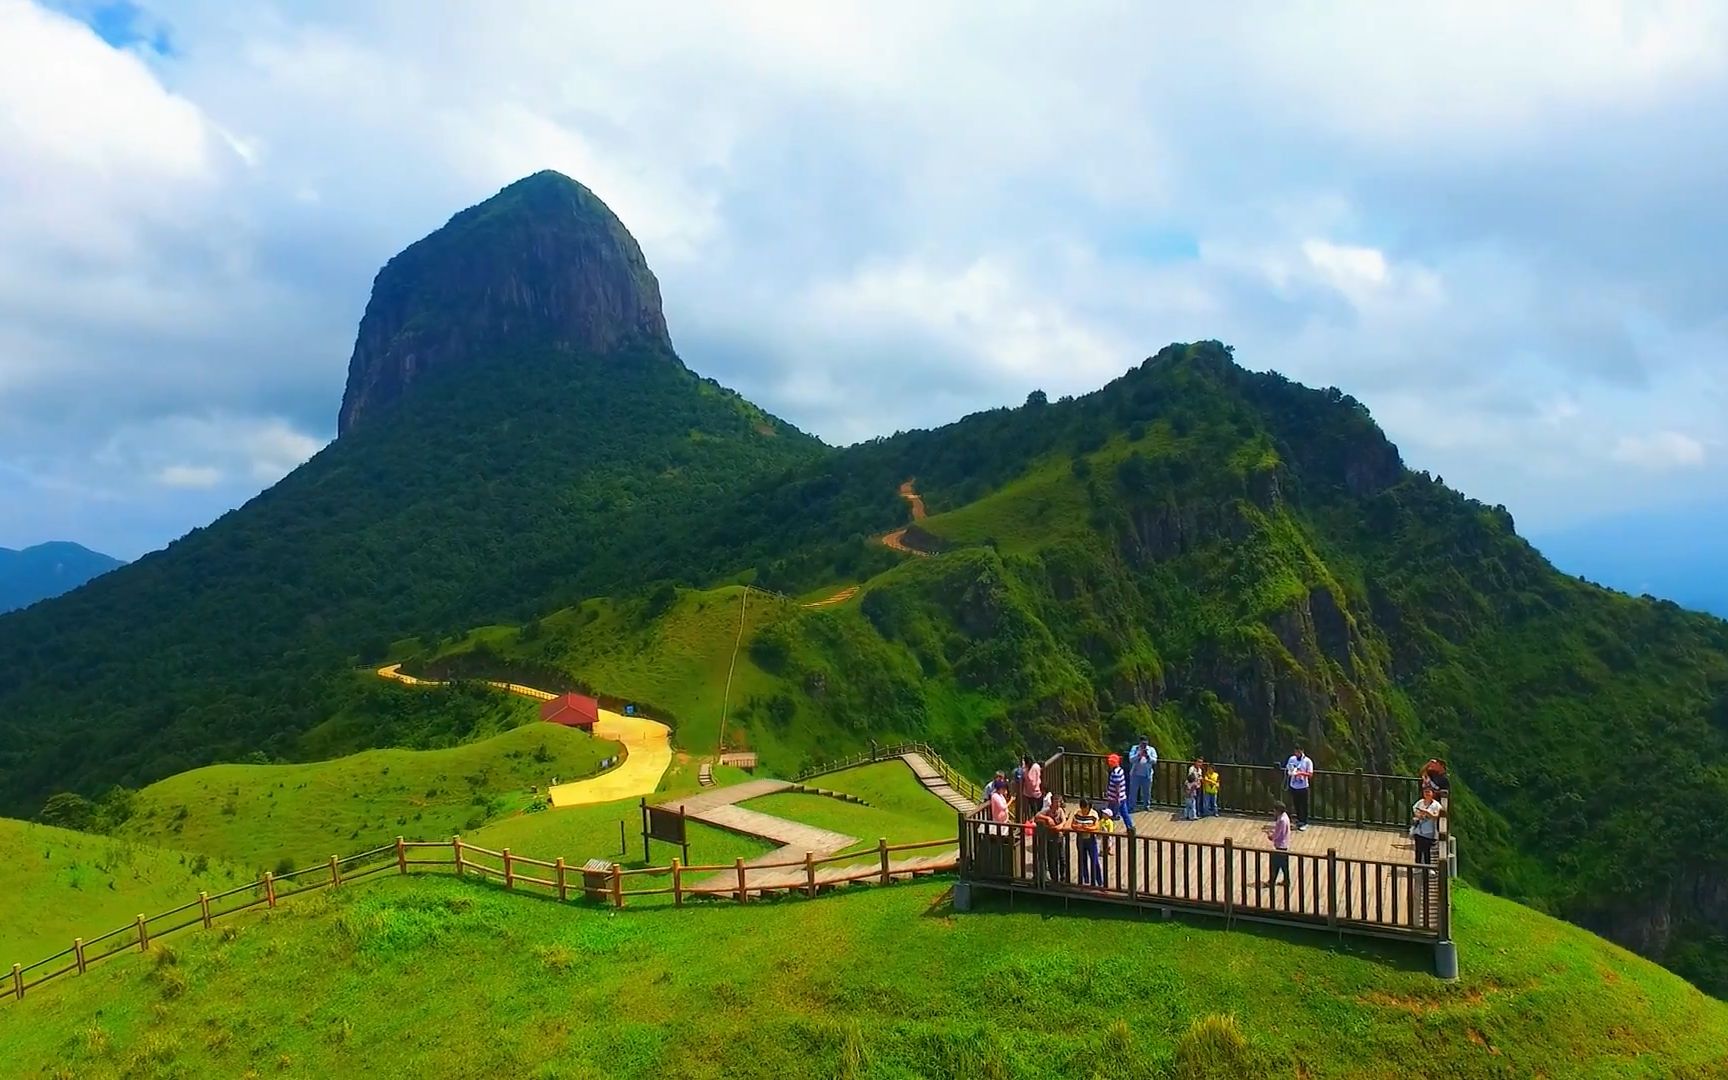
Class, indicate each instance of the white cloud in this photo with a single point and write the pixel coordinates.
(188, 476)
(1659, 450)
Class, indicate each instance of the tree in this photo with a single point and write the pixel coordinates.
(68, 811)
(1037, 399)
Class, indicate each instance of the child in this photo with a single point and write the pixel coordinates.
(1191, 797)
(1209, 791)
(1116, 789)
(1085, 823)
(1279, 833)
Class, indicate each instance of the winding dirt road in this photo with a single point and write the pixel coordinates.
(897, 539)
(647, 748)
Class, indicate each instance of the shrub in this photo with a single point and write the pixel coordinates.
(1214, 1048)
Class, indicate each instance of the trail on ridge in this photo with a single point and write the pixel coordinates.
(897, 539)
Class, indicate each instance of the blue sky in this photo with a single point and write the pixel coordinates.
(1498, 225)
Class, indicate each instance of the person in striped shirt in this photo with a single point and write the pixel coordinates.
(1116, 791)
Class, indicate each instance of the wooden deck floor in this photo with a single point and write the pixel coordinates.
(1388, 845)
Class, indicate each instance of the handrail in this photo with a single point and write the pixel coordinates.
(954, 777)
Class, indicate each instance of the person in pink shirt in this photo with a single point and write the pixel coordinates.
(999, 805)
(1031, 787)
(1279, 831)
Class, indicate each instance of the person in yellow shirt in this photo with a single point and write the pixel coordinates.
(1209, 792)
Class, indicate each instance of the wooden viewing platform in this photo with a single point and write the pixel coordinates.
(1353, 871)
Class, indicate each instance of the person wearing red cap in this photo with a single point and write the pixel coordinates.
(1116, 791)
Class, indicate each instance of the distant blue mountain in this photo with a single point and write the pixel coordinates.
(46, 570)
(1677, 553)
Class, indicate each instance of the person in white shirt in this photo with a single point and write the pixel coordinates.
(1300, 771)
(1425, 824)
(1142, 760)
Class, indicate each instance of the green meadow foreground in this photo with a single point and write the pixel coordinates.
(432, 976)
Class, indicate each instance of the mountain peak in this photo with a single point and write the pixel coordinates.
(544, 263)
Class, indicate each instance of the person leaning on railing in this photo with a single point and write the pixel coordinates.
(1053, 820)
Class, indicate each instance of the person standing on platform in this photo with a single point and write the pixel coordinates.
(1051, 819)
(1209, 792)
(1279, 832)
(1300, 771)
(1116, 790)
(1425, 825)
(1142, 759)
(1085, 823)
(999, 804)
(1031, 787)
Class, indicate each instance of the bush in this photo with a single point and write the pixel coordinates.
(1214, 1048)
(68, 811)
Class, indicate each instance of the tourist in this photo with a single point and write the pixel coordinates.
(999, 804)
(1196, 781)
(1142, 760)
(1300, 771)
(1085, 823)
(1116, 790)
(1031, 787)
(1050, 818)
(1191, 795)
(1209, 792)
(1434, 776)
(1279, 831)
(1425, 825)
(1000, 780)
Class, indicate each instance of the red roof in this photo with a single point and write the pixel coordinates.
(571, 710)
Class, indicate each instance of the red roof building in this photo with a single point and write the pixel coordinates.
(571, 710)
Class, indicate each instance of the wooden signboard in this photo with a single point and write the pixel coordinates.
(666, 824)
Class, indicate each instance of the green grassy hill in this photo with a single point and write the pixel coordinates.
(459, 979)
(262, 814)
(56, 884)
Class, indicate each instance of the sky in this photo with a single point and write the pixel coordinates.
(1499, 225)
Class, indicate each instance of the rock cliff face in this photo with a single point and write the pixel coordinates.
(541, 264)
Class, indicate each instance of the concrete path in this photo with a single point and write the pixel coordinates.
(647, 748)
(936, 784)
(718, 807)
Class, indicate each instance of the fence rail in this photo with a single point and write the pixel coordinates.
(1347, 798)
(596, 880)
(955, 778)
(1348, 894)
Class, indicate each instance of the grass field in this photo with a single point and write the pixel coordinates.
(900, 808)
(56, 884)
(260, 815)
(438, 977)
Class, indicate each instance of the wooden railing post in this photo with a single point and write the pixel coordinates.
(882, 854)
(563, 887)
(401, 856)
(1332, 887)
(78, 950)
(509, 870)
(617, 886)
(335, 872)
(204, 907)
(270, 888)
(1133, 863)
(810, 874)
(143, 934)
(1229, 879)
(456, 846)
(18, 980)
(677, 883)
(743, 893)
(1361, 796)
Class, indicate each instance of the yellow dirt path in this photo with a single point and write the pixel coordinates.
(838, 598)
(647, 749)
(897, 538)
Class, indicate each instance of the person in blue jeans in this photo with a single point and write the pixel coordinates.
(1116, 791)
(1085, 825)
(1142, 759)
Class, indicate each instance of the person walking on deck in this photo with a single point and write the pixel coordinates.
(1279, 832)
(1031, 787)
(1116, 790)
(1085, 823)
(1142, 759)
(1300, 771)
(1209, 792)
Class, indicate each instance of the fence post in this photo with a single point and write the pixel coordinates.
(18, 980)
(742, 892)
(204, 906)
(810, 874)
(882, 851)
(143, 934)
(401, 856)
(1229, 879)
(563, 889)
(1360, 796)
(270, 887)
(617, 886)
(1332, 888)
(456, 846)
(677, 883)
(1133, 861)
(335, 871)
(78, 949)
(509, 870)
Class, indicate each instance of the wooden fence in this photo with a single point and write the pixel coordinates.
(955, 778)
(597, 880)
(1346, 798)
(1351, 895)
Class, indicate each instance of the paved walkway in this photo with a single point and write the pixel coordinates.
(718, 807)
(647, 748)
(936, 784)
